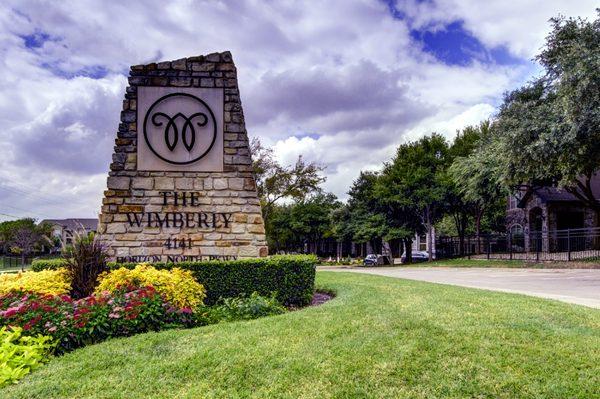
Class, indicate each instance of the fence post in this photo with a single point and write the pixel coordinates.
(489, 246)
(510, 245)
(569, 245)
(538, 243)
(469, 248)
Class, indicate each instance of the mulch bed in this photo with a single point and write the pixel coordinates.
(320, 298)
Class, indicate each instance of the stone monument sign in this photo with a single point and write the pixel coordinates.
(180, 187)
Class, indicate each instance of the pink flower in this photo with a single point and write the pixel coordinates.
(52, 329)
(10, 312)
(114, 315)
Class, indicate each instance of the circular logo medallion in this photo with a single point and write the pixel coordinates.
(180, 128)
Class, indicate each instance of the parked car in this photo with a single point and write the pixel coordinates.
(375, 260)
(370, 260)
(417, 256)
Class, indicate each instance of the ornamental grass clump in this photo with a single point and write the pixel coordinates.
(84, 262)
(177, 286)
(53, 282)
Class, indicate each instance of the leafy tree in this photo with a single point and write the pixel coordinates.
(413, 187)
(366, 224)
(477, 180)
(24, 235)
(460, 208)
(276, 182)
(548, 131)
(280, 236)
(302, 223)
(311, 219)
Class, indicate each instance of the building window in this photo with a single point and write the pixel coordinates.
(512, 202)
(423, 243)
(516, 229)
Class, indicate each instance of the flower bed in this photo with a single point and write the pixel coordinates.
(291, 277)
(54, 282)
(74, 323)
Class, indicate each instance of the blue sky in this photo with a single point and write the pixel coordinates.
(342, 82)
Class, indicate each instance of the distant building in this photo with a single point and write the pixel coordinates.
(536, 214)
(66, 229)
(423, 242)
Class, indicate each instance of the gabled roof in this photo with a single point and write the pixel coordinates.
(556, 194)
(74, 224)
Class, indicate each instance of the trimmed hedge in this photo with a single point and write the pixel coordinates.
(37, 265)
(291, 277)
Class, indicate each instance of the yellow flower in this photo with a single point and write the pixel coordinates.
(177, 286)
(53, 282)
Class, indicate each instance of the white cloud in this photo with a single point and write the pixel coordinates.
(341, 82)
(521, 26)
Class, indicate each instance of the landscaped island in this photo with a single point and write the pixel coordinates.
(379, 337)
(65, 304)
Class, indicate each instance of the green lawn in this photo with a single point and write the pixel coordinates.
(465, 262)
(380, 338)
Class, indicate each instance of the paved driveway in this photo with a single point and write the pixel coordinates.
(578, 286)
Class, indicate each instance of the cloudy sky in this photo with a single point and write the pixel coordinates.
(341, 82)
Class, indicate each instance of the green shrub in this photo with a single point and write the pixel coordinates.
(47, 264)
(20, 355)
(245, 308)
(290, 277)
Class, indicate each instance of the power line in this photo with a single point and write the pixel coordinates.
(25, 210)
(34, 193)
(10, 216)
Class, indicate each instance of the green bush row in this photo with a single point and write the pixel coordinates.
(37, 265)
(291, 277)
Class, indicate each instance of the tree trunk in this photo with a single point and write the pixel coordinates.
(408, 248)
(478, 216)
(428, 227)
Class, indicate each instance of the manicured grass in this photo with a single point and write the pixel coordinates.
(380, 338)
(465, 262)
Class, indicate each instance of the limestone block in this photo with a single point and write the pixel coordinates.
(146, 183)
(249, 251)
(236, 183)
(118, 183)
(115, 228)
(184, 183)
(164, 183)
(256, 228)
(220, 184)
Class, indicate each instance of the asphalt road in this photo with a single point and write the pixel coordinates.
(579, 286)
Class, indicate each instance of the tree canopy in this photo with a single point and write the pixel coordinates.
(548, 131)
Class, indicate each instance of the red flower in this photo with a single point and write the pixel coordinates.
(32, 322)
(10, 312)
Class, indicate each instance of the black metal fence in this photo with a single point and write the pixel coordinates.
(555, 245)
(14, 262)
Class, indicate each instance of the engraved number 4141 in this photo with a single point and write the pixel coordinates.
(178, 243)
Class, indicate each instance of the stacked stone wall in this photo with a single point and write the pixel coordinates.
(237, 230)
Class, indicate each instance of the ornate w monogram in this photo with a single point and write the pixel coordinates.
(171, 131)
